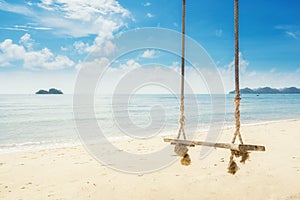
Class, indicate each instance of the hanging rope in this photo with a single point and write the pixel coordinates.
(232, 166)
(181, 118)
(180, 149)
(237, 84)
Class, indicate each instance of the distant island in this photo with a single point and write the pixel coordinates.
(268, 90)
(51, 91)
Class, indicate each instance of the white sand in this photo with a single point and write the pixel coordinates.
(71, 173)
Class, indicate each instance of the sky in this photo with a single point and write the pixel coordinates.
(43, 43)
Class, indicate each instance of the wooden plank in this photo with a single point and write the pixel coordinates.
(248, 147)
(236, 147)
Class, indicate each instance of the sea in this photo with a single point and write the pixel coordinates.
(29, 122)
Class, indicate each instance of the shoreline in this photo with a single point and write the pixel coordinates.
(37, 146)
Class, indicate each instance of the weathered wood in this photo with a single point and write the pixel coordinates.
(251, 147)
(236, 147)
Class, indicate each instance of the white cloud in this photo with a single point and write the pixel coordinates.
(148, 54)
(41, 28)
(41, 59)
(105, 48)
(294, 35)
(46, 4)
(26, 28)
(10, 52)
(33, 27)
(25, 38)
(291, 31)
(255, 79)
(112, 76)
(149, 15)
(243, 64)
(147, 4)
(13, 29)
(74, 17)
(108, 47)
(84, 10)
(93, 64)
(80, 47)
(45, 59)
(26, 41)
(284, 27)
(130, 64)
(82, 18)
(19, 9)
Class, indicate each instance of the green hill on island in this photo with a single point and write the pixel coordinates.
(51, 91)
(268, 90)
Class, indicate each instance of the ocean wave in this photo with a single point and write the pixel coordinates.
(36, 145)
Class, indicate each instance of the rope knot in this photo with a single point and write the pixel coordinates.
(181, 120)
(237, 101)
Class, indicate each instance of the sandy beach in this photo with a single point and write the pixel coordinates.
(72, 173)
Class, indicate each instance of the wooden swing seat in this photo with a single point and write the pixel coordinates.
(235, 147)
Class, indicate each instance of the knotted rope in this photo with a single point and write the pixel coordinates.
(180, 149)
(237, 100)
(181, 118)
(232, 166)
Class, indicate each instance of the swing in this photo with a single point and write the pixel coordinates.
(237, 150)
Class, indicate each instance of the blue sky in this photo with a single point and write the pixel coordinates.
(42, 43)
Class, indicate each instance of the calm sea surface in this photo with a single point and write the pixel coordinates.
(45, 121)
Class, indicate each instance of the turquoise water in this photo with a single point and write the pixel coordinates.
(45, 121)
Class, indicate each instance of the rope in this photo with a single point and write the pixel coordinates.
(232, 166)
(180, 149)
(181, 118)
(237, 86)
(237, 120)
